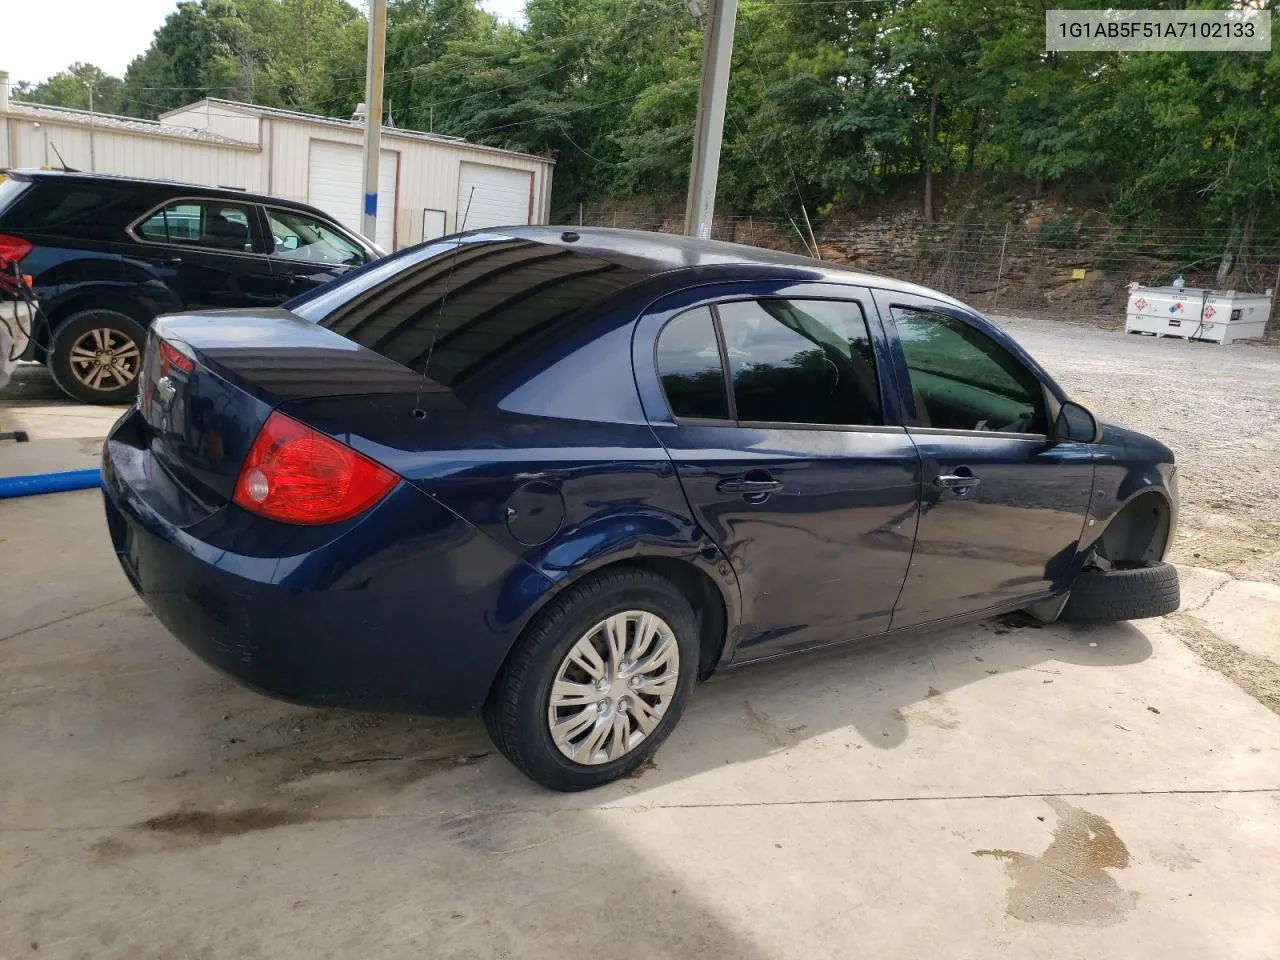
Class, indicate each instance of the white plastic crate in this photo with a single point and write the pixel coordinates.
(1219, 316)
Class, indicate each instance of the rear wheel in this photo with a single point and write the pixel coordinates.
(97, 356)
(598, 682)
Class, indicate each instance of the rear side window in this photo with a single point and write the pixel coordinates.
(201, 223)
(801, 361)
(64, 207)
(471, 305)
(690, 367)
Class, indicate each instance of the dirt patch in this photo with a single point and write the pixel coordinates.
(1257, 676)
(1069, 882)
(774, 733)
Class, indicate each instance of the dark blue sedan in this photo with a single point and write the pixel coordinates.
(558, 477)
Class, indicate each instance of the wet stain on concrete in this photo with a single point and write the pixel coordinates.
(1069, 882)
(213, 825)
(774, 733)
(109, 850)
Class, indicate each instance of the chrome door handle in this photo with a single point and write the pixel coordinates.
(953, 481)
(745, 487)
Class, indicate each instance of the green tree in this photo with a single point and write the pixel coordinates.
(70, 88)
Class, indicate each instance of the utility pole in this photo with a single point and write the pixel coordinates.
(373, 114)
(93, 164)
(713, 92)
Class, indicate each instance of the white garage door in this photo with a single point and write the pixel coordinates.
(499, 196)
(335, 184)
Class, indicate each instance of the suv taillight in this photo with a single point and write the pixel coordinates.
(13, 248)
(294, 474)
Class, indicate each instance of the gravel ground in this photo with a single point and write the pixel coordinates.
(1218, 409)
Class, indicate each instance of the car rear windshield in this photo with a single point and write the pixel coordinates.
(463, 304)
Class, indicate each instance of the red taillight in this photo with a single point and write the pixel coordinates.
(170, 356)
(13, 248)
(295, 475)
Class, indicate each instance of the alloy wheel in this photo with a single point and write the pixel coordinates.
(105, 359)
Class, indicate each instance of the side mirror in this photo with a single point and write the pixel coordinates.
(1075, 423)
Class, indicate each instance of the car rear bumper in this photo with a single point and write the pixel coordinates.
(409, 609)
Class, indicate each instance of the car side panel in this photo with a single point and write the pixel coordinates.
(566, 496)
(1129, 464)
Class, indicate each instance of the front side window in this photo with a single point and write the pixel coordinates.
(690, 367)
(801, 361)
(964, 380)
(200, 223)
(299, 236)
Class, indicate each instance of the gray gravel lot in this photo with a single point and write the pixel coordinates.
(1218, 409)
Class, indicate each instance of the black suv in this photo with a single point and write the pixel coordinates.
(109, 254)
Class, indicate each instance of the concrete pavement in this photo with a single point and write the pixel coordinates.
(1001, 790)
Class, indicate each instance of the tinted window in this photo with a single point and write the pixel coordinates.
(964, 380)
(801, 361)
(471, 304)
(299, 236)
(65, 205)
(10, 190)
(690, 367)
(200, 223)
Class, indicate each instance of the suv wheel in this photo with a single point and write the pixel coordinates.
(97, 356)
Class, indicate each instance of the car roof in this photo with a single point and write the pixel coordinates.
(650, 254)
(176, 187)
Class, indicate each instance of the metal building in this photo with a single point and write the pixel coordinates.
(426, 181)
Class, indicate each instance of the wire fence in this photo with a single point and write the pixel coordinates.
(1055, 268)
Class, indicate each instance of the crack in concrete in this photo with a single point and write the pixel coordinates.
(1211, 594)
(649, 807)
(66, 617)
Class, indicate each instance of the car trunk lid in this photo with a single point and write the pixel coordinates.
(210, 380)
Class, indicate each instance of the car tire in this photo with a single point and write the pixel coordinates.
(98, 332)
(519, 713)
(1124, 593)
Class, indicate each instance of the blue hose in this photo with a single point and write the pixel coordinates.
(49, 483)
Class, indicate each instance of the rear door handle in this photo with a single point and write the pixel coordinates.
(955, 481)
(744, 487)
(173, 262)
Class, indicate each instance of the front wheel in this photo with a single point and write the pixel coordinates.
(1130, 592)
(598, 682)
(97, 356)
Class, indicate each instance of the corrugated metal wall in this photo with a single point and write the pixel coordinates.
(428, 171)
(428, 177)
(135, 155)
(218, 119)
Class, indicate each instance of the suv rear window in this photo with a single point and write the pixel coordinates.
(468, 305)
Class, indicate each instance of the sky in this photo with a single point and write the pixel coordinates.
(56, 33)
